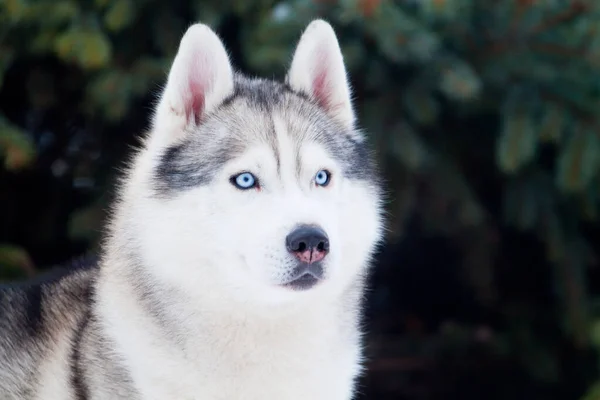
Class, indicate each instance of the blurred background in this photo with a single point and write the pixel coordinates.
(484, 117)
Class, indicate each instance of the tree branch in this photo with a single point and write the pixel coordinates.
(576, 9)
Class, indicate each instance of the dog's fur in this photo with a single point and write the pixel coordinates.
(191, 298)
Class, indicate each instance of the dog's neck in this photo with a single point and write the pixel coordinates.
(186, 319)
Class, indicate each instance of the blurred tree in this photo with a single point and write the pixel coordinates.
(420, 68)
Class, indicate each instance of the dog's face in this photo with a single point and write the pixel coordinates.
(256, 190)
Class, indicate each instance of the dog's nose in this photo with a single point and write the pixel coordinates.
(308, 244)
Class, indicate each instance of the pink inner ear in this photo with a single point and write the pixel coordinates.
(195, 103)
(320, 81)
(197, 86)
(320, 89)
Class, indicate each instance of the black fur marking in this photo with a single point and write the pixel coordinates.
(261, 93)
(174, 173)
(354, 156)
(195, 161)
(23, 301)
(272, 138)
(80, 388)
(30, 325)
(77, 376)
(182, 168)
(33, 310)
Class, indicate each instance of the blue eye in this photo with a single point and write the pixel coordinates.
(244, 181)
(322, 178)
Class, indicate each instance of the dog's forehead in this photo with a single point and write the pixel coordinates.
(258, 113)
(263, 111)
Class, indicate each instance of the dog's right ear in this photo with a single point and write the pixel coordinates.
(201, 77)
(318, 70)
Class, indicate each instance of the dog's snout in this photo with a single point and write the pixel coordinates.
(308, 244)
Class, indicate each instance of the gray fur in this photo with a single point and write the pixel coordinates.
(39, 314)
(35, 315)
(199, 157)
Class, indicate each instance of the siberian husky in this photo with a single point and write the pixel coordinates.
(234, 262)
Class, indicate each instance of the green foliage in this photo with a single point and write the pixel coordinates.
(534, 64)
(593, 393)
(517, 145)
(15, 262)
(15, 146)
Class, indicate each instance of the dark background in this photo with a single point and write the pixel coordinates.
(483, 116)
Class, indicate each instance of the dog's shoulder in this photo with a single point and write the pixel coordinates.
(36, 315)
(30, 309)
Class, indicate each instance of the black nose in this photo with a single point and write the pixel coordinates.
(307, 243)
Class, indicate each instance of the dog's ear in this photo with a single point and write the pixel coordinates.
(318, 70)
(201, 77)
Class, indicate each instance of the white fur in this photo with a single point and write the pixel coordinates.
(236, 333)
(53, 373)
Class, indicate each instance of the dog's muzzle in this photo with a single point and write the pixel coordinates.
(309, 244)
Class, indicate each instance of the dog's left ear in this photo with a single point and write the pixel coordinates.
(318, 70)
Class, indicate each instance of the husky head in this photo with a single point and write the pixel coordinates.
(251, 189)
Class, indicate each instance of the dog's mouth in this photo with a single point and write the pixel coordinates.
(305, 276)
(303, 282)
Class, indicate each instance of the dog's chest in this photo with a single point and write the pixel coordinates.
(263, 369)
